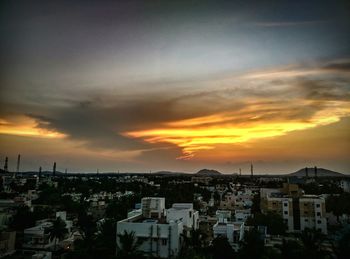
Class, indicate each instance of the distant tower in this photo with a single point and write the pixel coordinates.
(315, 171)
(6, 164)
(251, 170)
(306, 172)
(240, 172)
(65, 171)
(54, 169)
(18, 162)
(39, 172)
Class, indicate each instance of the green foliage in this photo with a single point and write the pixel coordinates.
(24, 218)
(129, 245)
(319, 188)
(221, 249)
(273, 221)
(252, 245)
(291, 249)
(256, 204)
(312, 239)
(338, 204)
(58, 230)
(105, 243)
(343, 248)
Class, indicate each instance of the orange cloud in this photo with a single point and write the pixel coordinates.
(25, 126)
(203, 133)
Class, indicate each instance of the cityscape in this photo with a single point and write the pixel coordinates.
(182, 129)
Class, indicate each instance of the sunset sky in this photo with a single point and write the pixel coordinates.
(155, 85)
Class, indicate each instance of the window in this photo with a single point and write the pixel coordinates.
(286, 213)
(306, 220)
(190, 214)
(286, 204)
(318, 214)
(318, 205)
(319, 221)
(164, 241)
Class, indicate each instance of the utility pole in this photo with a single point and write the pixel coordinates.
(6, 164)
(54, 169)
(251, 170)
(18, 162)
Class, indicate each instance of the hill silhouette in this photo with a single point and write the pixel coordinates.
(208, 172)
(321, 172)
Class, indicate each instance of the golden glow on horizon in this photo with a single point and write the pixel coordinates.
(25, 126)
(204, 133)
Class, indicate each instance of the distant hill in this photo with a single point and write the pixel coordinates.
(208, 172)
(170, 173)
(321, 172)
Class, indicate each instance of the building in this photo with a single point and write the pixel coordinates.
(242, 215)
(224, 227)
(185, 213)
(345, 185)
(299, 211)
(38, 237)
(201, 179)
(159, 230)
(7, 243)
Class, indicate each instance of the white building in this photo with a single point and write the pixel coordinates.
(153, 207)
(159, 230)
(185, 213)
(38, 237)
(233, 231)
(345, 185)
(242, 215)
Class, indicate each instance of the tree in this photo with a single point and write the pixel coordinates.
(343, 249)
(221, 248)
(291, 249)
(312, 239)
(105, 245)
(273, 221)
(24, 218)
(252, 245)
(128, 246)
(58, 231)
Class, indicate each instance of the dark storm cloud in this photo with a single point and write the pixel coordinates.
(338, 65)
(324, 90)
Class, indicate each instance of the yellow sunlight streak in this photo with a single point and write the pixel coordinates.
(24, 126)
(204, 133)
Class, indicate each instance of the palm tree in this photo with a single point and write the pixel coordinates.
(195, 241)
(312, 240)
(58, 230)
(291, 249)
(128, 246)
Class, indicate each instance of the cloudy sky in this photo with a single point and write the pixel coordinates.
(136, 86)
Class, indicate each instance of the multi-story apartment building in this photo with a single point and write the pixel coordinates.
(298, 211)
(186, 213)
(159, 229)
(233, 231)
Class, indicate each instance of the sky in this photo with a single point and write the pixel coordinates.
(140, 86)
